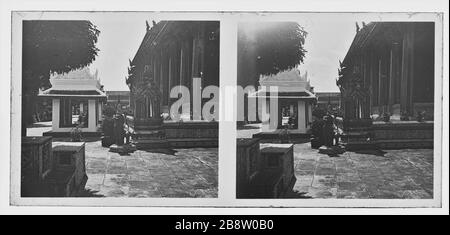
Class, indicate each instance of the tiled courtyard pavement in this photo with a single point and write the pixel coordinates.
(388, 174)
(385, 174)
(182, 173)
(185, 173)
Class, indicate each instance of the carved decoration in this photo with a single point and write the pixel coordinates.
(351, 84)
(146, 88)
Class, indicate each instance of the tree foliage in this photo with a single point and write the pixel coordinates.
(279, 46)
(55, 47)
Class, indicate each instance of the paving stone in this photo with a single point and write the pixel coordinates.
(325, 170)
(395, 174)
(188, 173)
(306, 165)
(324, 181)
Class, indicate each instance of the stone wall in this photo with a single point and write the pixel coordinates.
(403, 134)
(192, 134)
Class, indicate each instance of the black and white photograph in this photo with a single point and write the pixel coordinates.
(347, 118)
(214, 108)
(106, 108)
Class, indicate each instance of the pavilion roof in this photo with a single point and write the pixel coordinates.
(263, 93)
(74, 88)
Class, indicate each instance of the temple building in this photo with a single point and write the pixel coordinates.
(174, 53)
(387, 77)
(389, 68)
(77, 99)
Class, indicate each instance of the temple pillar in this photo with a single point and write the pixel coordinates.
(195, 73)
(380, 86)
(100, 106)
(81, 107)
(407, 70)
(181, 69)
(92, 125)
(310, 118)
(169, 84)
(55, 113)
(393, 74)
(279, 114)
(301, 116)
(373, 81)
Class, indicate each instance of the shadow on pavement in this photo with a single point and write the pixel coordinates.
(376, 152)
(90, 193)
(163, 151)
(297, 194)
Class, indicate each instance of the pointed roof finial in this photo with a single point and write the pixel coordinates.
(357, 27)
(147, 25)
(364, 24)
(153, 22)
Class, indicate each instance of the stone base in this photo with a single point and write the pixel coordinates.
(194, 143)
(177, 135)
(315, 143)
(277, 137)
(151, 143)
(123, 149)
(405, 144)
(357, 140)
(107, 141)
(403, 134)
(359, 145)
(68, 134)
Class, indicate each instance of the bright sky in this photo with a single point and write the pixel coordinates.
(119, 40)
(328, 41)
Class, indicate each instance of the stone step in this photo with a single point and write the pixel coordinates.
(143, 144)
(149, 132)
(359, 145)
(193, 142)
(404, 143)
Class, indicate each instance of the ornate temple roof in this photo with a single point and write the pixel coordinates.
(83, 73)
(288, 75)
(289, 83)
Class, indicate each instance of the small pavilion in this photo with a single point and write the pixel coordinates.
(76, 102)
(295, 99)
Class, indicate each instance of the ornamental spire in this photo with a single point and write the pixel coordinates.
(147, 25)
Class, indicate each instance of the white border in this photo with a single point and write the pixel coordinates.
(227, 143)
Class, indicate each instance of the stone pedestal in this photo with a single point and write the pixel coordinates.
(264, 173)
(36, 163)
(248, 163)
(68, 177)
(279, 158)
